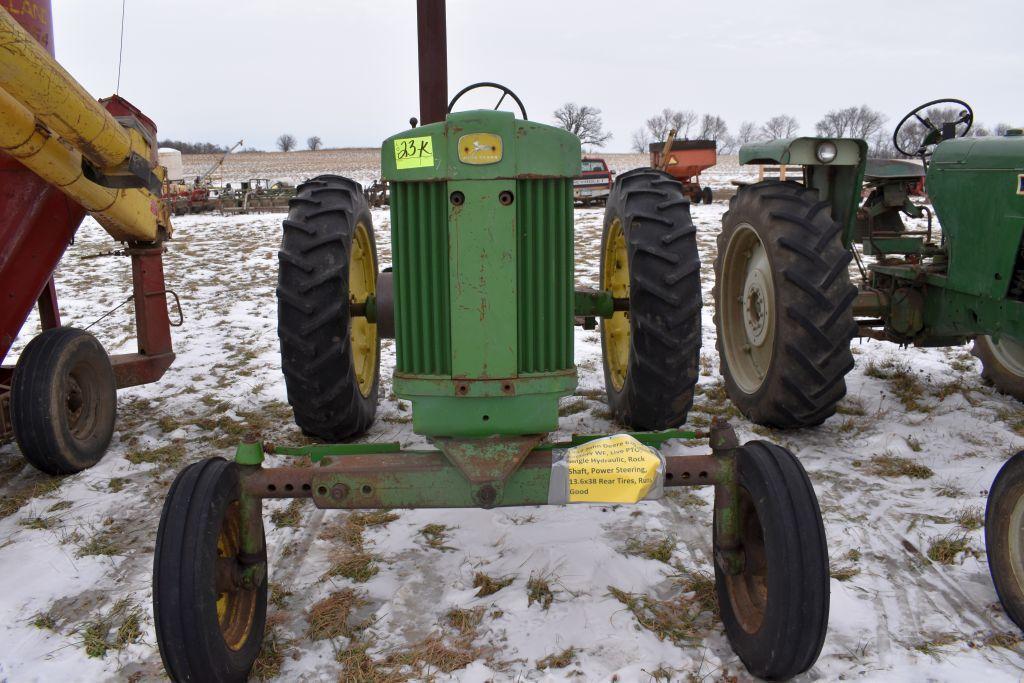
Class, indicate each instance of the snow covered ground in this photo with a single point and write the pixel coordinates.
(76, 553)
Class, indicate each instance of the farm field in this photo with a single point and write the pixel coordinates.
(576, 593)
(364, 165)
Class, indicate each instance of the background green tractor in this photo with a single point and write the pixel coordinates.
(482, 307)
(786, 309)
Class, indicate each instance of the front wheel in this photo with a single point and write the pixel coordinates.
(209, 621)
(1004, 537)
(783, 305)
(775, 610)
(330, 356)
(63, 401)
(1002, 363)
(649, 256)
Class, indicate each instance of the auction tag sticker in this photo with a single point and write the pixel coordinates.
(612, 469)
(414, 152)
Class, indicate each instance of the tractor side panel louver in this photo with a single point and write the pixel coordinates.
(545, 271)
(419, 233)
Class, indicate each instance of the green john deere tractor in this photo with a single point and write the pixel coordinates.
(786, 310)
(482, 307)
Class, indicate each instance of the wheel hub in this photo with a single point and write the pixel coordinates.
(755, 308)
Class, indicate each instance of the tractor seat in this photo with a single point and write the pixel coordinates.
(893, 169)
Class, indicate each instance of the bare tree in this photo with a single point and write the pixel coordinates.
(584, 122)
(855, 122)
(638, 143)
(314, 143)
(749, 132)
(1001, 128)
(286, 142)
(713, 128)
(913, 133)
(659, 125)
(781, 126)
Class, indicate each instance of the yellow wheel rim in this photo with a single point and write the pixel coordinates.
(616, 329)
(362, 283)
(236, 608)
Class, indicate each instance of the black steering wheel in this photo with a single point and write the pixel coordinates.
(505, 92)
(933, 131)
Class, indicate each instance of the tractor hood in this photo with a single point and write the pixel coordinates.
(1002, 153)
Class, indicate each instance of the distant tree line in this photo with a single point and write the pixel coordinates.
(193, 147)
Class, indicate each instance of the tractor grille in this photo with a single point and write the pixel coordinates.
(419, 234)
(545, 224)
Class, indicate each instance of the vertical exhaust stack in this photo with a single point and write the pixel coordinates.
(432, 41)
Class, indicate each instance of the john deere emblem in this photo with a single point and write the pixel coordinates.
(480, 149)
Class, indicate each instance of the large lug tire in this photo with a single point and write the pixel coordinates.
(63, 401)
(208, 627)
(775, 611)
(649, 254)
(1004, 537)
(1002, 363)
(706, 196)
(783, 305)
(328, 261)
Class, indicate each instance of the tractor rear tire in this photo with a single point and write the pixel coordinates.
(1004, 526)
(209, 626)
(63, 401)
(330, 358)
(1002, 364)
(649, 254)
(783, 305)
(775, 610)
(706, 195)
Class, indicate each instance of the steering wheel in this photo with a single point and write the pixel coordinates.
(505, 92)
(934, 134)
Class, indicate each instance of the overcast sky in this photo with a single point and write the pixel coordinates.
(218, 71)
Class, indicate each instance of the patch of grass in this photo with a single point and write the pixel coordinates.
(700, 586)
(436, 535)
(373, 518)
(356, 565)
(278, 596)
(913, 443)
(672, 620)
(538, 589)
(113, 630)
(289, 516)
(167, 455)
(358, 666)
(944, 549)
(932, 647)
(17, 499)
(1014, 419)
(270, 660)
(465, 621)
(38, 523)
(949, 488)
(433, 653)
(45, 621)
(685, 498)
(60, 505)
(970, 518)
(1004, 639)
(902, 381)
(853, 555)
(557, 660)
(488, 585)
(652, 548)
(889, 465)
(851, 405)
(844, 572)
(331, 617)
(102, 542)
(116, 485)
(572, 406)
